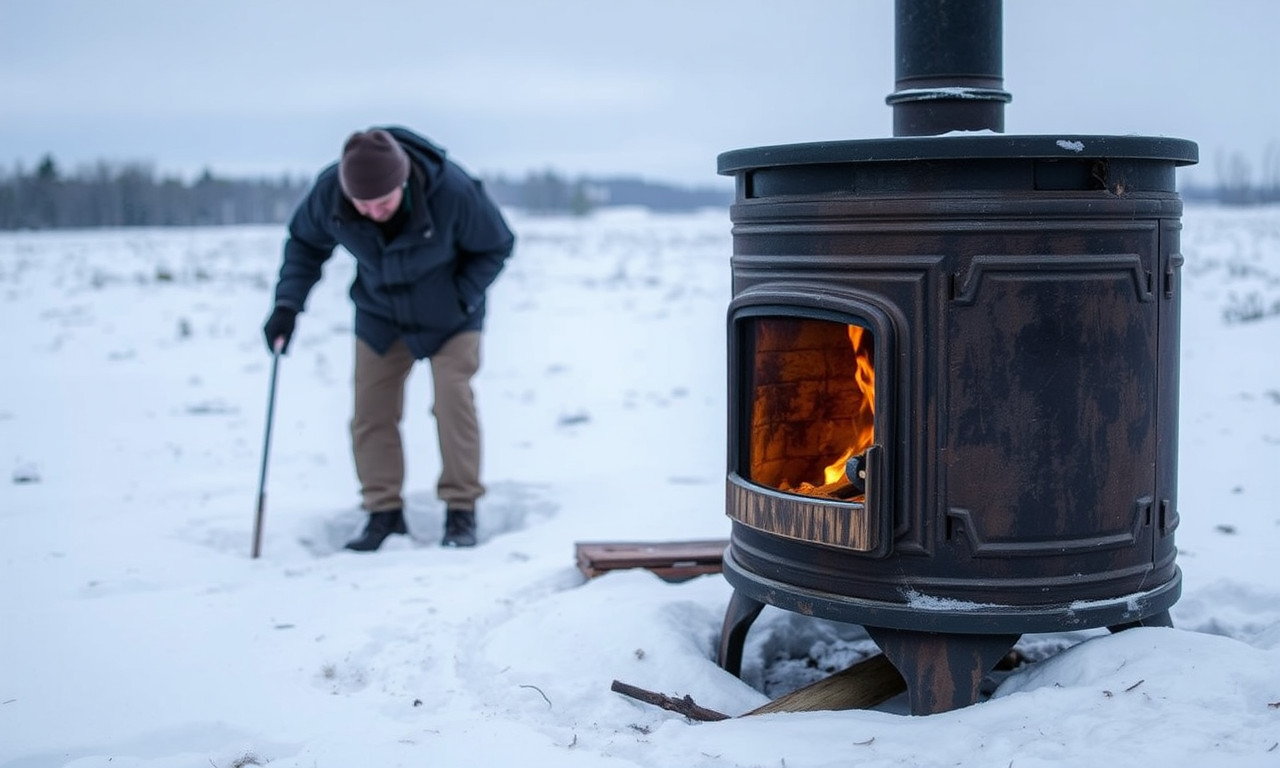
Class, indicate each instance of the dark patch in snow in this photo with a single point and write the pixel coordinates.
(26, 475)
(573, 419)
(212, 408)
(687, 480)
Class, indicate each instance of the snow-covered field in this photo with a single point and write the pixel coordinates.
(136, 631)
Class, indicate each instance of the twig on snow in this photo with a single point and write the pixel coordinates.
(685, 706)
(540, 693)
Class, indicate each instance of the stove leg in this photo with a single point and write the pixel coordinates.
(1162, 619)
(742, 611)
(942, 671)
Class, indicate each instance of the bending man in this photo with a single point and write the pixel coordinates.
(428, 243)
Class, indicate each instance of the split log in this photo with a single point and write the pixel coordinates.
(870, 682)
(684, 706)
(841, 490)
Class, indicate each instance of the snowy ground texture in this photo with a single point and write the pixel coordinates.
(136, 632)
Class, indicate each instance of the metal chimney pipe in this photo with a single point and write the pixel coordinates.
(948, 67)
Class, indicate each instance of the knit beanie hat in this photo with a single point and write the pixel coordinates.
(373, 165)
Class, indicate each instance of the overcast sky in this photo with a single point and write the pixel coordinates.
(655, 88)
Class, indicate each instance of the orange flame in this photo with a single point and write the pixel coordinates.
(866, 379)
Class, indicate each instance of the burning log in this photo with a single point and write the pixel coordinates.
(852, 486)
(841, 489)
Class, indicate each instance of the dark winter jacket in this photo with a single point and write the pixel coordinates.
(429, 282)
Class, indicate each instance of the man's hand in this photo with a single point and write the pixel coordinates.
(279, 328)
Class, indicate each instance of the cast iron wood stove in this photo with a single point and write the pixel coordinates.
(953, 373)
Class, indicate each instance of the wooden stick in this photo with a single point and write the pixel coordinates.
(870, 682)
(684, 706)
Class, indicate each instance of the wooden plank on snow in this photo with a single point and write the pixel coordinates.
(671, 560)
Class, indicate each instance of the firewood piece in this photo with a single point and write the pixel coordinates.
(870, 682)
(841, 489)
(670, 560)
(684, 706)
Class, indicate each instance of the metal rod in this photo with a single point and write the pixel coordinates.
(266, 450)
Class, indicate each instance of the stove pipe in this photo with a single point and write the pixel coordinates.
(948, 68)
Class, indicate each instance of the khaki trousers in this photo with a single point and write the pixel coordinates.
(379, 409)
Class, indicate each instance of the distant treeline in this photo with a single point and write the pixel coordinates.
(133, 194)
(1234, 195)
(1240, 182)
(549, 192)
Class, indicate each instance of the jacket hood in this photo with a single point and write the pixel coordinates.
(425, 154)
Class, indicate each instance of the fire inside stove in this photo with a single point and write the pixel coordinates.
(812, 395)
(809, 461)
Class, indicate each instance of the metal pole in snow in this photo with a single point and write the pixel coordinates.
(266, 450)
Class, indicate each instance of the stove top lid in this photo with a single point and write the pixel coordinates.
(961, 146)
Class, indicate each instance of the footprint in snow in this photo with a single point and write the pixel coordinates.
(506, 507)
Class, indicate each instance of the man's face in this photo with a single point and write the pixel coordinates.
(382, 208)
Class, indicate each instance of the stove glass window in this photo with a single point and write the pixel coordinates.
(810, 385)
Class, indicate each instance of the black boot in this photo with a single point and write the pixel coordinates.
(380, 526)
(459, 528)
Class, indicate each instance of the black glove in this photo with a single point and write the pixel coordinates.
(279, 326)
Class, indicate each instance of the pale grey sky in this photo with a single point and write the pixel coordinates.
(655, 88)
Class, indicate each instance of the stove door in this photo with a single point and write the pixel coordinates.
(808, 425)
